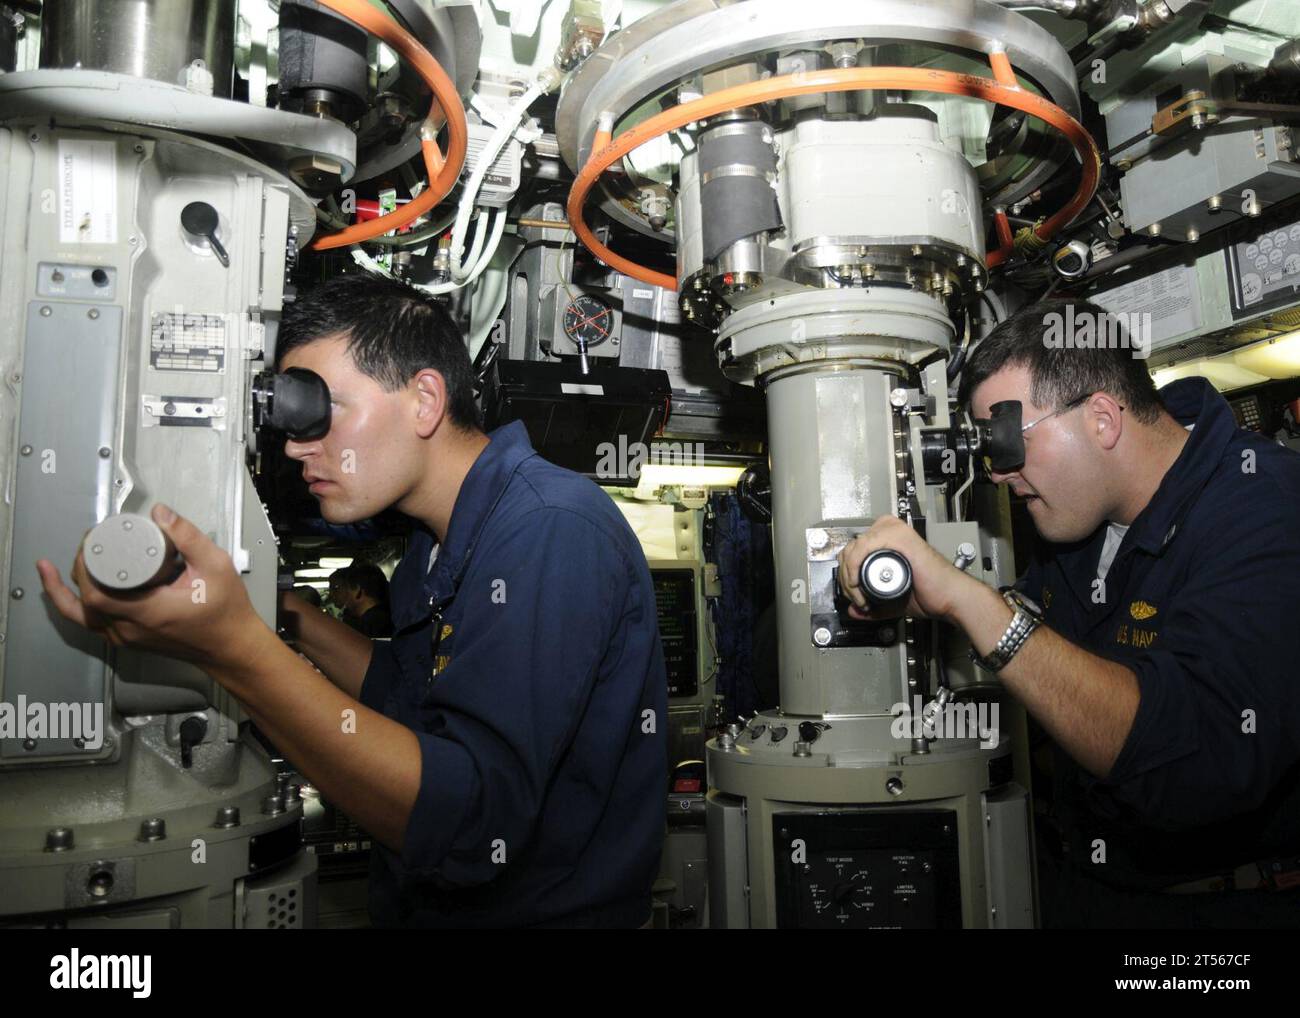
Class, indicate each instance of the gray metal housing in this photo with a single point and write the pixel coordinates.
(126, 351)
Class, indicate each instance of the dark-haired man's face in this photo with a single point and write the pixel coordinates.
(346, 599)
(1062, 479)
(370, 457)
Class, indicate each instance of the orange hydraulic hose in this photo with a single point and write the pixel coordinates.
(443, 171)
(1006, 243)
(847, 79)
(1002, 70)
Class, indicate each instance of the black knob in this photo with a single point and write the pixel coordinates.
(199, 219)
(885, 577)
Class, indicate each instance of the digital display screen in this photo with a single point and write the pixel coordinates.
(675, 602)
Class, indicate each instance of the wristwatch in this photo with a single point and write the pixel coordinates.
(1028, 617)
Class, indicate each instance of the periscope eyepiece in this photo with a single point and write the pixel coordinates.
(295, 401)
(1001, 437)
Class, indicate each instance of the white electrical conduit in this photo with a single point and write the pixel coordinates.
(481, 228)
(495, 233)
(507, 127)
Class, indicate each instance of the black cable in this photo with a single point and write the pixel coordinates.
(936, 648)
(957, 363)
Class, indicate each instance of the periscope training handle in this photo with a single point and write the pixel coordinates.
(129, 551)
(885, 578)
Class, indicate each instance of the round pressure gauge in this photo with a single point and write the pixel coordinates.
(588, 320)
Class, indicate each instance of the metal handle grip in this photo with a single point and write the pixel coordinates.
(885, 577)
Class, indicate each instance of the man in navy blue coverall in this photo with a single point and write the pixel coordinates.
(1165, 671)
(507, 748)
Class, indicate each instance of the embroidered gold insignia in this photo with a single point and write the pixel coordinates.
(1140, 610)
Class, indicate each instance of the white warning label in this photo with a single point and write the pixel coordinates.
(181, 342)
(87, 191)
(1169, 297)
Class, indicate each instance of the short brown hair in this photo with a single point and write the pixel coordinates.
(1061, 373)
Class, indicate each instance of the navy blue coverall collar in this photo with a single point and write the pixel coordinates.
(419, 589)
(1189, 401)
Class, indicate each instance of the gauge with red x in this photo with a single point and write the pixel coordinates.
(588, 320)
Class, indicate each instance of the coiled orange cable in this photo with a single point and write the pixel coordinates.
(605, 152)
(443, 171)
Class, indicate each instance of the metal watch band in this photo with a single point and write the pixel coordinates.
(1013, 638)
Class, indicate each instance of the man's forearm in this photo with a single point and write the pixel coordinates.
(366, 764)
(1085, 703)
(334, 647)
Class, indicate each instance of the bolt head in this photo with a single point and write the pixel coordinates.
(59, 839)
